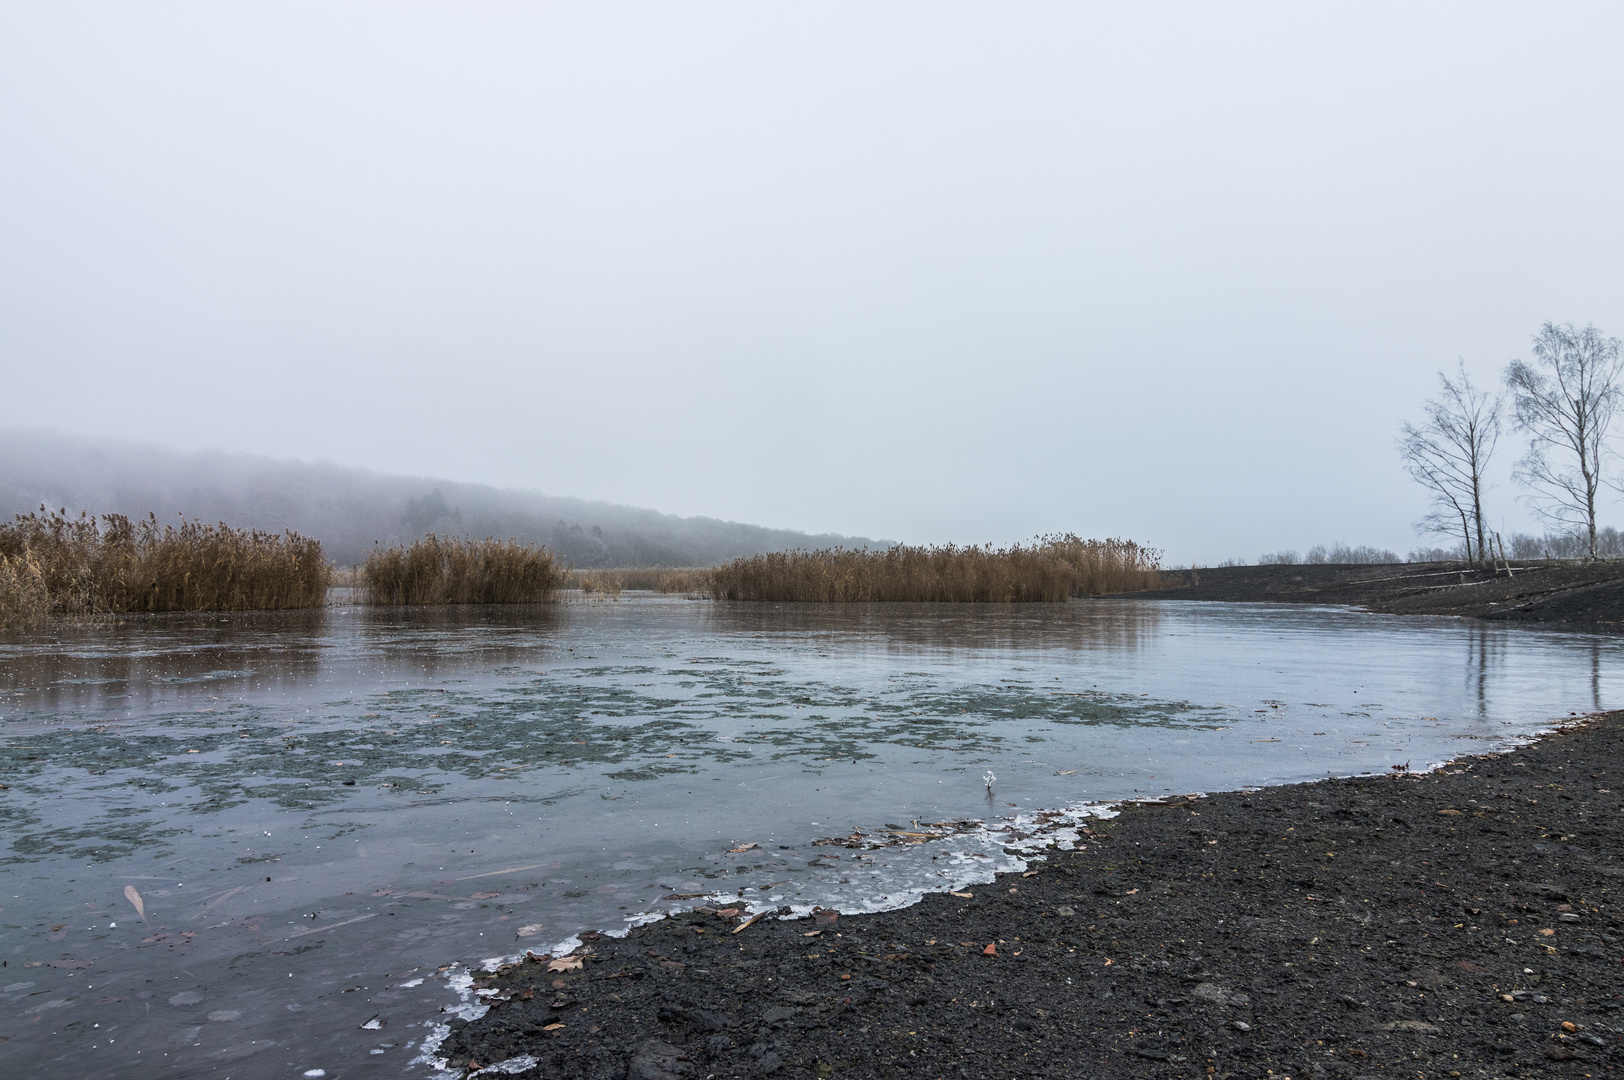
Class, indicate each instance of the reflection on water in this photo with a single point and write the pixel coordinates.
(319, 809)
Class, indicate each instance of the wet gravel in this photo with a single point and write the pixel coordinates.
(1461, 923)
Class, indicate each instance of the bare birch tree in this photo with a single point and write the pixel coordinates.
(1447, 455)
(1565, 399)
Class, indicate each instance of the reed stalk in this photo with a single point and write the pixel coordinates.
(1050, 569)
(111, 565)
(24, 601)
(459, 570)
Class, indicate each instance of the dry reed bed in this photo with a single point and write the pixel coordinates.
(1050, 569)
(52, 564)
(648, 579)
(459, 570)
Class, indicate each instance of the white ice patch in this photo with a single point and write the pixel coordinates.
(634, 921)
(428, 1054)
(511, 1067)
(461, 982)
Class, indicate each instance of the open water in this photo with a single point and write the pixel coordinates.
(319, 811)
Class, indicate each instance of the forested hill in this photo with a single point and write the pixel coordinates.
(350, 509)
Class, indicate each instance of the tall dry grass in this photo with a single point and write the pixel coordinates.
(24, 600)
(1048, 570)
(90, 566)
(458, 570)
(648, 579)
(1105, 566)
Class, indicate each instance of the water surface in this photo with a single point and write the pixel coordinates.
(318, 810)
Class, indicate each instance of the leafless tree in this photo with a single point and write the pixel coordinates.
(1447, 454)
(1565, 399)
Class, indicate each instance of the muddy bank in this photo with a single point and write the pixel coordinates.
(1578, 596)
(1464, 923)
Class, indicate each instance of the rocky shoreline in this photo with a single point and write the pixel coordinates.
(1459, 923)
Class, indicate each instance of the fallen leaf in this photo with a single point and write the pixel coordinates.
(565, 963)
(729, 913)
(552, 1027)
(990, 950)
(135, 898)
(742, 847)
(484, 896)
(963, 895)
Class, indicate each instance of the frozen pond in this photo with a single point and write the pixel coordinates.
(319, 810)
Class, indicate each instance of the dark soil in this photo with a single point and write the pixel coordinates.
(1462, 923)
(1575, 595)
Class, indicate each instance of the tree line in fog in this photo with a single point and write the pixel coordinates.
(353, 510)
(1562, 402)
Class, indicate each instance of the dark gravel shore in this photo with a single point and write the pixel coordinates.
(1456, 924)
(1565, 594)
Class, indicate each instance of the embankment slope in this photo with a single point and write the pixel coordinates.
(1579, 596)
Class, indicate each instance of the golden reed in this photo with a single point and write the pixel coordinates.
(457, 570)
(52, 564)
(1050, 569)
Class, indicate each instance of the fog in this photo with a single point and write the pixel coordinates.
(922, 271)
(351, 510)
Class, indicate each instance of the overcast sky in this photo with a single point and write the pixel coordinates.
(922, 271)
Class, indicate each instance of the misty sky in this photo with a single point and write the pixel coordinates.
(922, 271)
